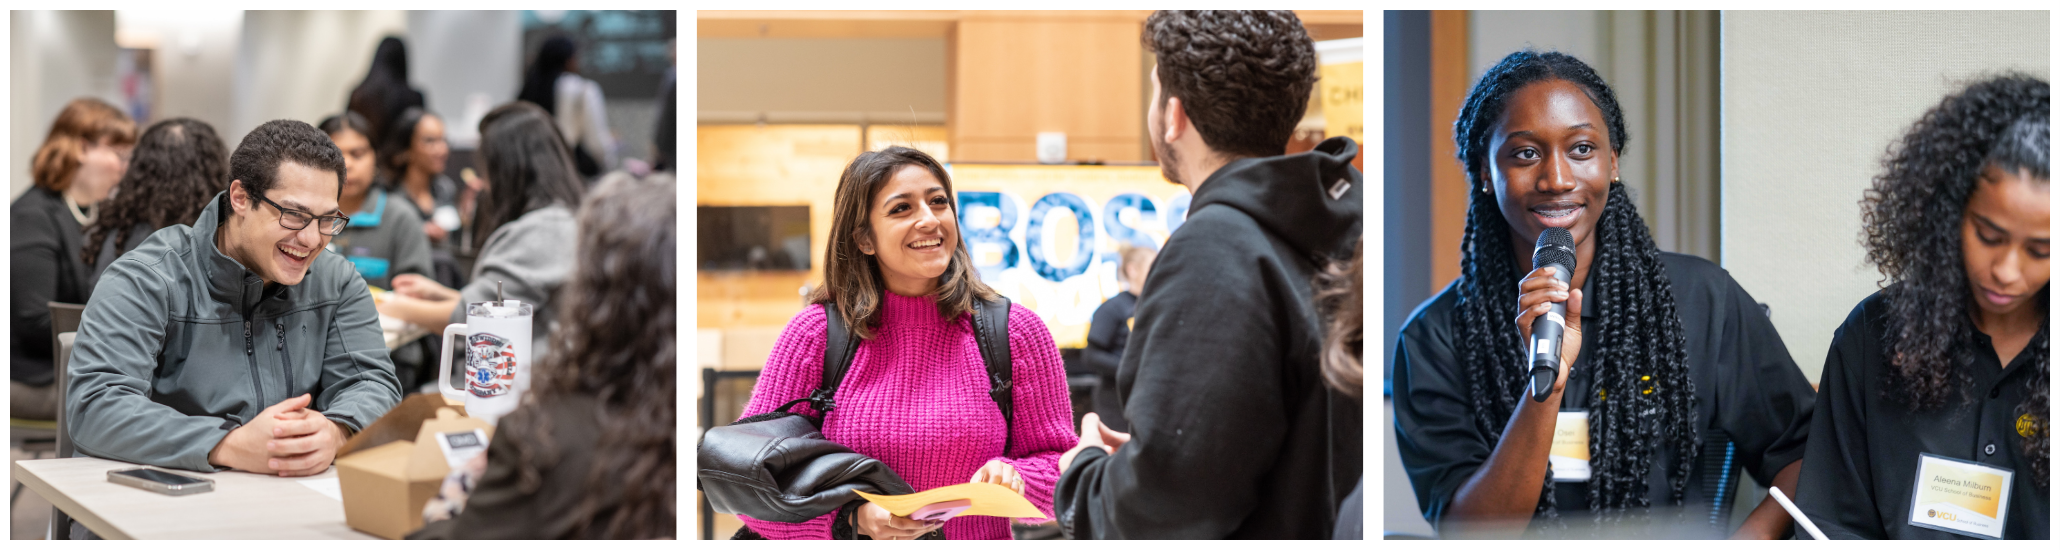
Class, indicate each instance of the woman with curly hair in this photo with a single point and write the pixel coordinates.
(1945, 368)
(177, 166)
(1663, 352)
(590, 454)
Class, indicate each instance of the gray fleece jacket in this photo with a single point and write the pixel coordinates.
(531, 256)
(181, 344)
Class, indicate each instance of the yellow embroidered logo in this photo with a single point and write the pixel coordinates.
(2027, 426)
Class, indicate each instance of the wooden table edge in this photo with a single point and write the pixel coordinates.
(78, 513)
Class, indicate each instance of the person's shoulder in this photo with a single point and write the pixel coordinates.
(549, 218)
(332, 277)
(1219, 240)
(1217, 223)
(1692, 270)
(812, 323)
(1435, 316)
(153, 262)
(400, 210)
(550, 226)
(1025, 324)
(32, 209)
(1872, 311)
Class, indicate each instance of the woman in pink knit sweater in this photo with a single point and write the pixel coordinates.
(916, 395)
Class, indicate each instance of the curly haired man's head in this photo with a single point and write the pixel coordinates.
(1241, 79)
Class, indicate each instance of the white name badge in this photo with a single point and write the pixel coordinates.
(1957, 496)
(1570, 447)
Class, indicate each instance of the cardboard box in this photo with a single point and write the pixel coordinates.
(388, 471)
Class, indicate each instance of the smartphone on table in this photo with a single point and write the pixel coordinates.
(160, 481)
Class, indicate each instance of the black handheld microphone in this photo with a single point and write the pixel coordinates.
(1556, 249)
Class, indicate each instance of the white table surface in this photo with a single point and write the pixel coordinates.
(242, 506)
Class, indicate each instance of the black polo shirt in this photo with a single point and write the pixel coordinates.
(1747, 389)
(1863, 458)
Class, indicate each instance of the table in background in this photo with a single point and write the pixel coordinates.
(242, 506)
(398, 332)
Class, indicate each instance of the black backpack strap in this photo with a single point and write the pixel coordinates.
(991, 330)
(839, 347)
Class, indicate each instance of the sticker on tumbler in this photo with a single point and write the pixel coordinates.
(491, 364)
(1960, 497)
(1570, 447)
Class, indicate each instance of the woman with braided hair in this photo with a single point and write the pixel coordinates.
(1945, 368)
(1663, 352)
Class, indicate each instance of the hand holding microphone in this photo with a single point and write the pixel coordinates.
(1549, 315)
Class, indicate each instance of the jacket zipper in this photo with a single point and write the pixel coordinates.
(284, 361)
(250, 349)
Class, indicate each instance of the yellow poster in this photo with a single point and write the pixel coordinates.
(1342, 87)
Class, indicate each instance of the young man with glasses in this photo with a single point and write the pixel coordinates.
(235, 342)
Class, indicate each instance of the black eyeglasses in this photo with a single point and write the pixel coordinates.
(297, 220)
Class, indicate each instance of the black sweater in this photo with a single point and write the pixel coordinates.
(46, 268)
(1234, 434)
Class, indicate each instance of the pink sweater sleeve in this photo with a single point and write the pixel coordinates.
(793, 370)
(1043, 427)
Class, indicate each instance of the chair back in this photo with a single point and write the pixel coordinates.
(64, 318)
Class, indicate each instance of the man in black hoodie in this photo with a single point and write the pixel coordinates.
(1234, 433)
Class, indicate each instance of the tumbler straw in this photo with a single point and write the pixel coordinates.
(498, 298)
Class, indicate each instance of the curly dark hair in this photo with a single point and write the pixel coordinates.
(616, 342)
(178, 166)
(256, 160)
(1243, 76)
(1644, 396)
(1913, 216)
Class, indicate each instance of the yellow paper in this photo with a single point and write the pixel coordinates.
(988, 500)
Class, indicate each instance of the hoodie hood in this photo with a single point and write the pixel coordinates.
(1312, 200)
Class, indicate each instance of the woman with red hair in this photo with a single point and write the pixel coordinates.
(78, 164)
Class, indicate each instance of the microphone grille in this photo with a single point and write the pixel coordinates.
(1555, 246)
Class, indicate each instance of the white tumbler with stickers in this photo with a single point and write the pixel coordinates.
(496, 338)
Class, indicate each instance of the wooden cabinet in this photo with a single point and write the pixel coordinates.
(1014, 74)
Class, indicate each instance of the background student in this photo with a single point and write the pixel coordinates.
(1108, 332)
(384, 92)
(553, 82)
(177, 167)
(413, 159)
(1951, 357)
(78, 164)
(384, 238)
(526, 220)
(589, 454)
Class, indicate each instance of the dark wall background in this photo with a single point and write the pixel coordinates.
(1406, 173)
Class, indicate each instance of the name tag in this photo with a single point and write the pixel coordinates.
(1570, 447)
(1957, 496)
